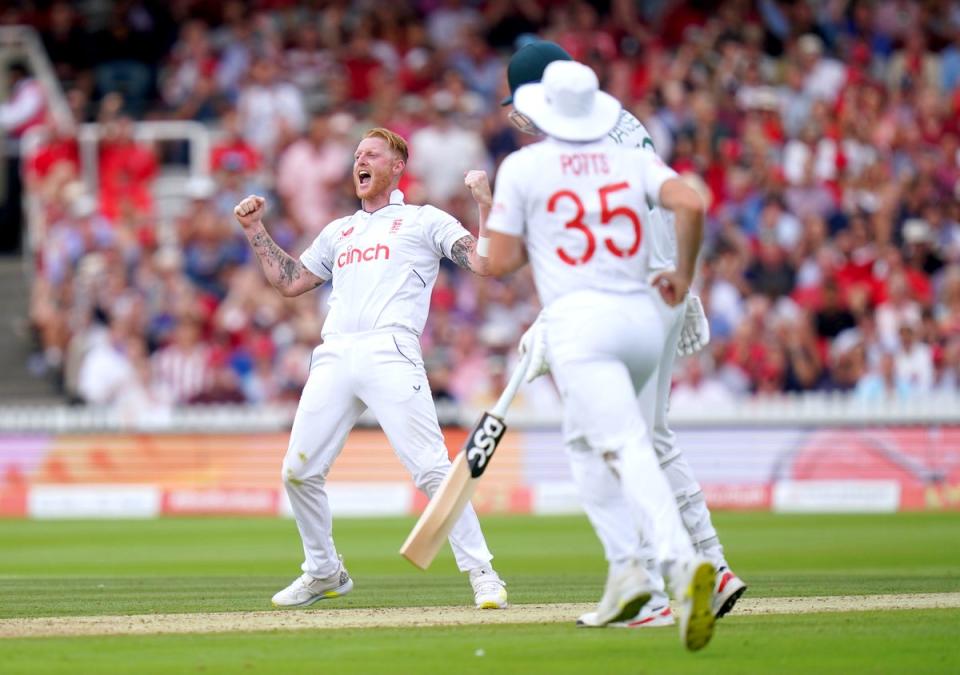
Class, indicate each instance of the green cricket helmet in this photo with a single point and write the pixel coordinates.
(528, 63)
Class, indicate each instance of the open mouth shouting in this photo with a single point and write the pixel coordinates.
(375, 169)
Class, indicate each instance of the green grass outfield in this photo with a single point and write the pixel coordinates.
(61, 568)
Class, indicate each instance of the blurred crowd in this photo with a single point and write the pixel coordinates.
(825, 137)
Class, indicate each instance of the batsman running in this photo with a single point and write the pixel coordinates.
(574, 205)
(688, 334)
(382, 262)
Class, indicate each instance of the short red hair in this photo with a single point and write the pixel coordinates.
(394, 140)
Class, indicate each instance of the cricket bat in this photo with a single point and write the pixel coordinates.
(436, 521)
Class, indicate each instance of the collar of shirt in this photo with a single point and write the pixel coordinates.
(396, 199)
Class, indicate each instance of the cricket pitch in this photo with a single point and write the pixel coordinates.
(324, 616)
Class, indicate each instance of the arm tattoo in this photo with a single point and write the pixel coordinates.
(273, 256)
(462, 250)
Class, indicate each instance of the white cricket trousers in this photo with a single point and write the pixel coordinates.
(602, 349)
(381, 370)
(654, 403)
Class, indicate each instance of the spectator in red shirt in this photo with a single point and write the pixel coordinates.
(60, 149)
(127, 169)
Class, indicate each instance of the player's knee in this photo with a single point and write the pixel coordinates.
(295, 474)
(290, 477)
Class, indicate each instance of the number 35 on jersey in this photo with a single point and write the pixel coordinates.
(608, 213)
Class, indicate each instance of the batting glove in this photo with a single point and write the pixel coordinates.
(535, 342)
(695, 334)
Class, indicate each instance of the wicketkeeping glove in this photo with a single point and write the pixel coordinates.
(695, 334)
(535, 341)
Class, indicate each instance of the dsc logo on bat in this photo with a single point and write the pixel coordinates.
(482, 442)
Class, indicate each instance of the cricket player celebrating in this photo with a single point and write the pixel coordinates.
(382, 261)
(688, 334)
(572, 203)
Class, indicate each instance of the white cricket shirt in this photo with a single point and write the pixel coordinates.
(582, 209)
(382, 265)
(631, 133)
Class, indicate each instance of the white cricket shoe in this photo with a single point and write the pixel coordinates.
(727, 590)
(489, 590)
(629, 588)
(306, 590)
(653, 615)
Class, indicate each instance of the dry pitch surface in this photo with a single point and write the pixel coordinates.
(405, 617)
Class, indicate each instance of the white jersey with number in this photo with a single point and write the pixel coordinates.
(382, 265)
(631, 133)
(582, 209)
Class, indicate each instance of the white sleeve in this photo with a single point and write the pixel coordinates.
(655, 173)
(507, 214)
(318, 258)
(441, 230)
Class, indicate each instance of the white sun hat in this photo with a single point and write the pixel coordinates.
(568, 104)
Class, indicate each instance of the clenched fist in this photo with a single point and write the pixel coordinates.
(479, 187)
(250, 210)
(672, 286)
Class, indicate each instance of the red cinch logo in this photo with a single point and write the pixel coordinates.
(357, 255)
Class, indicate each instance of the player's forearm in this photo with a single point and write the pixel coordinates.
(480, 264)
(481, 256)
(478, 250)
(465, 255)
(284, 273)
(688, 209)
(689, 225)
(483, 213)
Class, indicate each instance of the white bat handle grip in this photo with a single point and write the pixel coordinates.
(516, 379)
